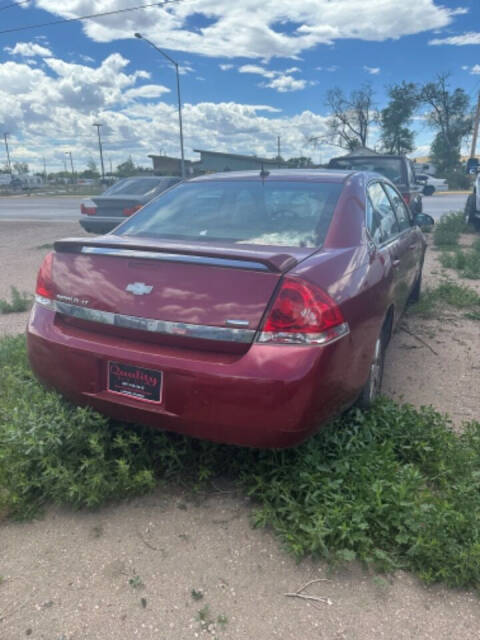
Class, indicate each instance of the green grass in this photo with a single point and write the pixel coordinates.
(392, 487)
(446, 232)
(19, 302)
(435, 301)
(465, 262)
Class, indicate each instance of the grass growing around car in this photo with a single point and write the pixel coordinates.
(435, 301)
(466, 262)
(446, 232)
(19, 302)
(392, 487)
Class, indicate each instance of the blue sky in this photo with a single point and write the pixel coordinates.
(250, 71)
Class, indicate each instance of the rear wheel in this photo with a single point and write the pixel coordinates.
(373, 386)
(429, 190)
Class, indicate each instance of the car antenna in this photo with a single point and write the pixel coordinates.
(263, 173)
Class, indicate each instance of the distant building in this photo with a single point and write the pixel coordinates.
(223, 161)
(168, 166)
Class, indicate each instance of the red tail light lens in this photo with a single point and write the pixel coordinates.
(88, 208)
(407, 198)
(303, 314)
(131, 210)
(45, 286)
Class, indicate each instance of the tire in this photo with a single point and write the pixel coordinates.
(470, 210)
(373, 386)
(417, 288)
(428, 190)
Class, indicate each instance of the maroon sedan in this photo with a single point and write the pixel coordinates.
(244, 308)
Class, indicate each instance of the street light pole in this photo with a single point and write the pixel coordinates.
(180, 124)
(98, 125)
(9, 164)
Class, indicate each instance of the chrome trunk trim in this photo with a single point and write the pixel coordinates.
(204, 332)
(176, 257)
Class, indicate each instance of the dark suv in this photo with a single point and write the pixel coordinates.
(398, 169)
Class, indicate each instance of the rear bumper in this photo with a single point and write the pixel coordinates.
(100, 224)
(270, 396)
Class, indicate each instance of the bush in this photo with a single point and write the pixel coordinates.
(447, 231)
(20, 302)
(458, 179)
(393, 487)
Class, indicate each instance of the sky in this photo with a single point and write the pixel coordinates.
(250, 70)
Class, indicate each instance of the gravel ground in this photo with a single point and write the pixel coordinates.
(128, 570)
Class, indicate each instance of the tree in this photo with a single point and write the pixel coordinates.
(351, 117)
(395, 118)
(300, 162)
(449, 116)
(21, 168)
(127, 168)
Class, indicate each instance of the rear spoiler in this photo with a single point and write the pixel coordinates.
(239, 258)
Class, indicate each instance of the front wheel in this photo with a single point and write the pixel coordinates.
(373, 386)
(429, 190)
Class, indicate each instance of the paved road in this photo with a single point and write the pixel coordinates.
(439, 204)
(58, 209)
(36, 208)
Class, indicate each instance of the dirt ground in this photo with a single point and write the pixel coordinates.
(128, 570)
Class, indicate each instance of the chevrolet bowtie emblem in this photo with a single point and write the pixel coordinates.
(138, 288)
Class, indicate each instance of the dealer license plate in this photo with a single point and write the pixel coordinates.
(136, 382)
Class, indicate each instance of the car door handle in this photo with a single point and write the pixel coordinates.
(396, 263)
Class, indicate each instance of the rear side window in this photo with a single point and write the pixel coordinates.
(399, 207)
(391, 168)
(272, 212)
(135, 186)
(381, 220)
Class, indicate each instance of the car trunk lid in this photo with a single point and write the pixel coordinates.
(183, 290)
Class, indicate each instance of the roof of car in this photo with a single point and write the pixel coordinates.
(304, 175)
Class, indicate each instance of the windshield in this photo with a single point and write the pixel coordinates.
(136, 186)
(270, 213)
(391, 168)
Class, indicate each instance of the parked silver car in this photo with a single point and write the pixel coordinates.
(103, 213)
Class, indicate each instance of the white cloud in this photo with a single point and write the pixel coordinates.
(471, 37)
(225, 67)
(475, 70)
(372, 70)
(28, 50)
(284, 83)
(281, 81)
(146, 91)
(255, 29)
(331, 69)
(50, 110)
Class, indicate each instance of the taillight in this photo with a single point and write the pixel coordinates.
(302, 314)
(88, 208)
(131, 210)
(407, 198)
(45, 287)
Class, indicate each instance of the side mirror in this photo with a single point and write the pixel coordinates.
(423, 220)
(472, 165)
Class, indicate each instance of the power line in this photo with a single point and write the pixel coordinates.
(92, 15)
(14, 4)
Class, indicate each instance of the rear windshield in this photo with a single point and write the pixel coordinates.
(136, 186)
(391, 168)
(294, 214)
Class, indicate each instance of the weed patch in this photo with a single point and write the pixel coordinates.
(466, 262)
(446, 232)
(392, 487)
(19, 302)
(433, 302)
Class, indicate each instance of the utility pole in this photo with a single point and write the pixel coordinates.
(111, 167)
(9, 164)
(98, 125)
(44, 169)
(278, 147)
(476, 124)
